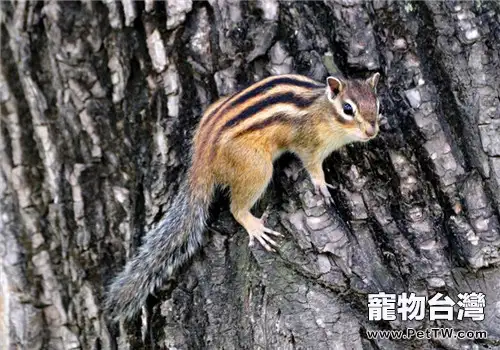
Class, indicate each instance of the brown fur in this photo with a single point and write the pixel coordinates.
(240, 136)
(235, 145)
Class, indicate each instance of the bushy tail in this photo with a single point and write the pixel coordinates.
(165, 249)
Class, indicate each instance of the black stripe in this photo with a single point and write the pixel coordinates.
(252, 92)
(272, 83)
(287, 97)
(280, 117)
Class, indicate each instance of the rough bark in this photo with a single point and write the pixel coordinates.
(99, 99)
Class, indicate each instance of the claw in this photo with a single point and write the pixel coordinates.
(256, 230)
(260, 232)
(266, 241)
(268, 230)
(262, 238)
(322, 188)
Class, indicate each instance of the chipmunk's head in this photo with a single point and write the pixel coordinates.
(356, 106)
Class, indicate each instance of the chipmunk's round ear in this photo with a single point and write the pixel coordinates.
(334, 86)
(373, 80)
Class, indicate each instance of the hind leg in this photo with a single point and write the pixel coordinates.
(247, 185)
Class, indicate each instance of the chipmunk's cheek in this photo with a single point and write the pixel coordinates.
(358, 135)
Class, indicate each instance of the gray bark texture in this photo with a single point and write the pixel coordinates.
(98, 104)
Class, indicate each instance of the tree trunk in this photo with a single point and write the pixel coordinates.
(99, 101)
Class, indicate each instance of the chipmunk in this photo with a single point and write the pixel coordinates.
(234, 146)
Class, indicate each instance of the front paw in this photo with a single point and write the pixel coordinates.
(322, 189)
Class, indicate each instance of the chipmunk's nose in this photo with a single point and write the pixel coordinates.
(370, 129)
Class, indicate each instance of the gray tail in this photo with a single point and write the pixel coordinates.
(166, 248)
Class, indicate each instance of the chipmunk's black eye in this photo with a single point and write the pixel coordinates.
(348, 109)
